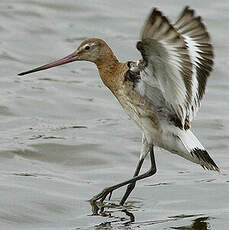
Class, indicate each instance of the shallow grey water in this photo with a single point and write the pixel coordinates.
(64, 137)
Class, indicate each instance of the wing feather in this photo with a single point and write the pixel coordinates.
(167, 63)
(201, 52)
(177, 59)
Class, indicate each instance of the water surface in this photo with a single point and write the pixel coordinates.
(64, 137)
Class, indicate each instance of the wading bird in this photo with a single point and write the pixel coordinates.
(161, 92)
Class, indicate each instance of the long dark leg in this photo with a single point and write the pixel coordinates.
(144, 151)
(106, 191)
(131, 186)
(137, 170)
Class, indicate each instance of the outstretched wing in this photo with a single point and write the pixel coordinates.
(168, 62)
(200, 50)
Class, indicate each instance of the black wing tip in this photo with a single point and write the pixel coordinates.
(188, 9)
(155, 13)
(155, 9)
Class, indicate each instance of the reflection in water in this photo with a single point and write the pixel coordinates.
(106, 225)
(130, 214)
(123, 222)
(98, 208)
(128, 221)
(114, 220)
(197, 224)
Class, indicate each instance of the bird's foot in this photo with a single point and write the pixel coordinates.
(97, 201)
(101, 196)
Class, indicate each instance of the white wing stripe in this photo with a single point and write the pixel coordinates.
(200, 51)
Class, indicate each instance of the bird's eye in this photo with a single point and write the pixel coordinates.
(87, 47)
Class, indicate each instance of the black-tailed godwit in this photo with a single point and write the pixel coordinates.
(162, 91)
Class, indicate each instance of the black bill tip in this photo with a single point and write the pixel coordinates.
(23, 73)
(33, 70)
(70, 58)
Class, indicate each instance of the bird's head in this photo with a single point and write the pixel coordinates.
(90, 50)
(93, 50)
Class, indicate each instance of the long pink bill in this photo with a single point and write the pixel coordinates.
(70, 58)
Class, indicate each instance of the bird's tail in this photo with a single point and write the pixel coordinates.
(196, 152)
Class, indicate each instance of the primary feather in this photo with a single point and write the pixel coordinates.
(200, 50)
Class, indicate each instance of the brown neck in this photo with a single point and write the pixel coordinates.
(108, 65)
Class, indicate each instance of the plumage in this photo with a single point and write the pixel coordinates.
(167, 59)
(162, 91)
(177, 59)
(200, 50)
